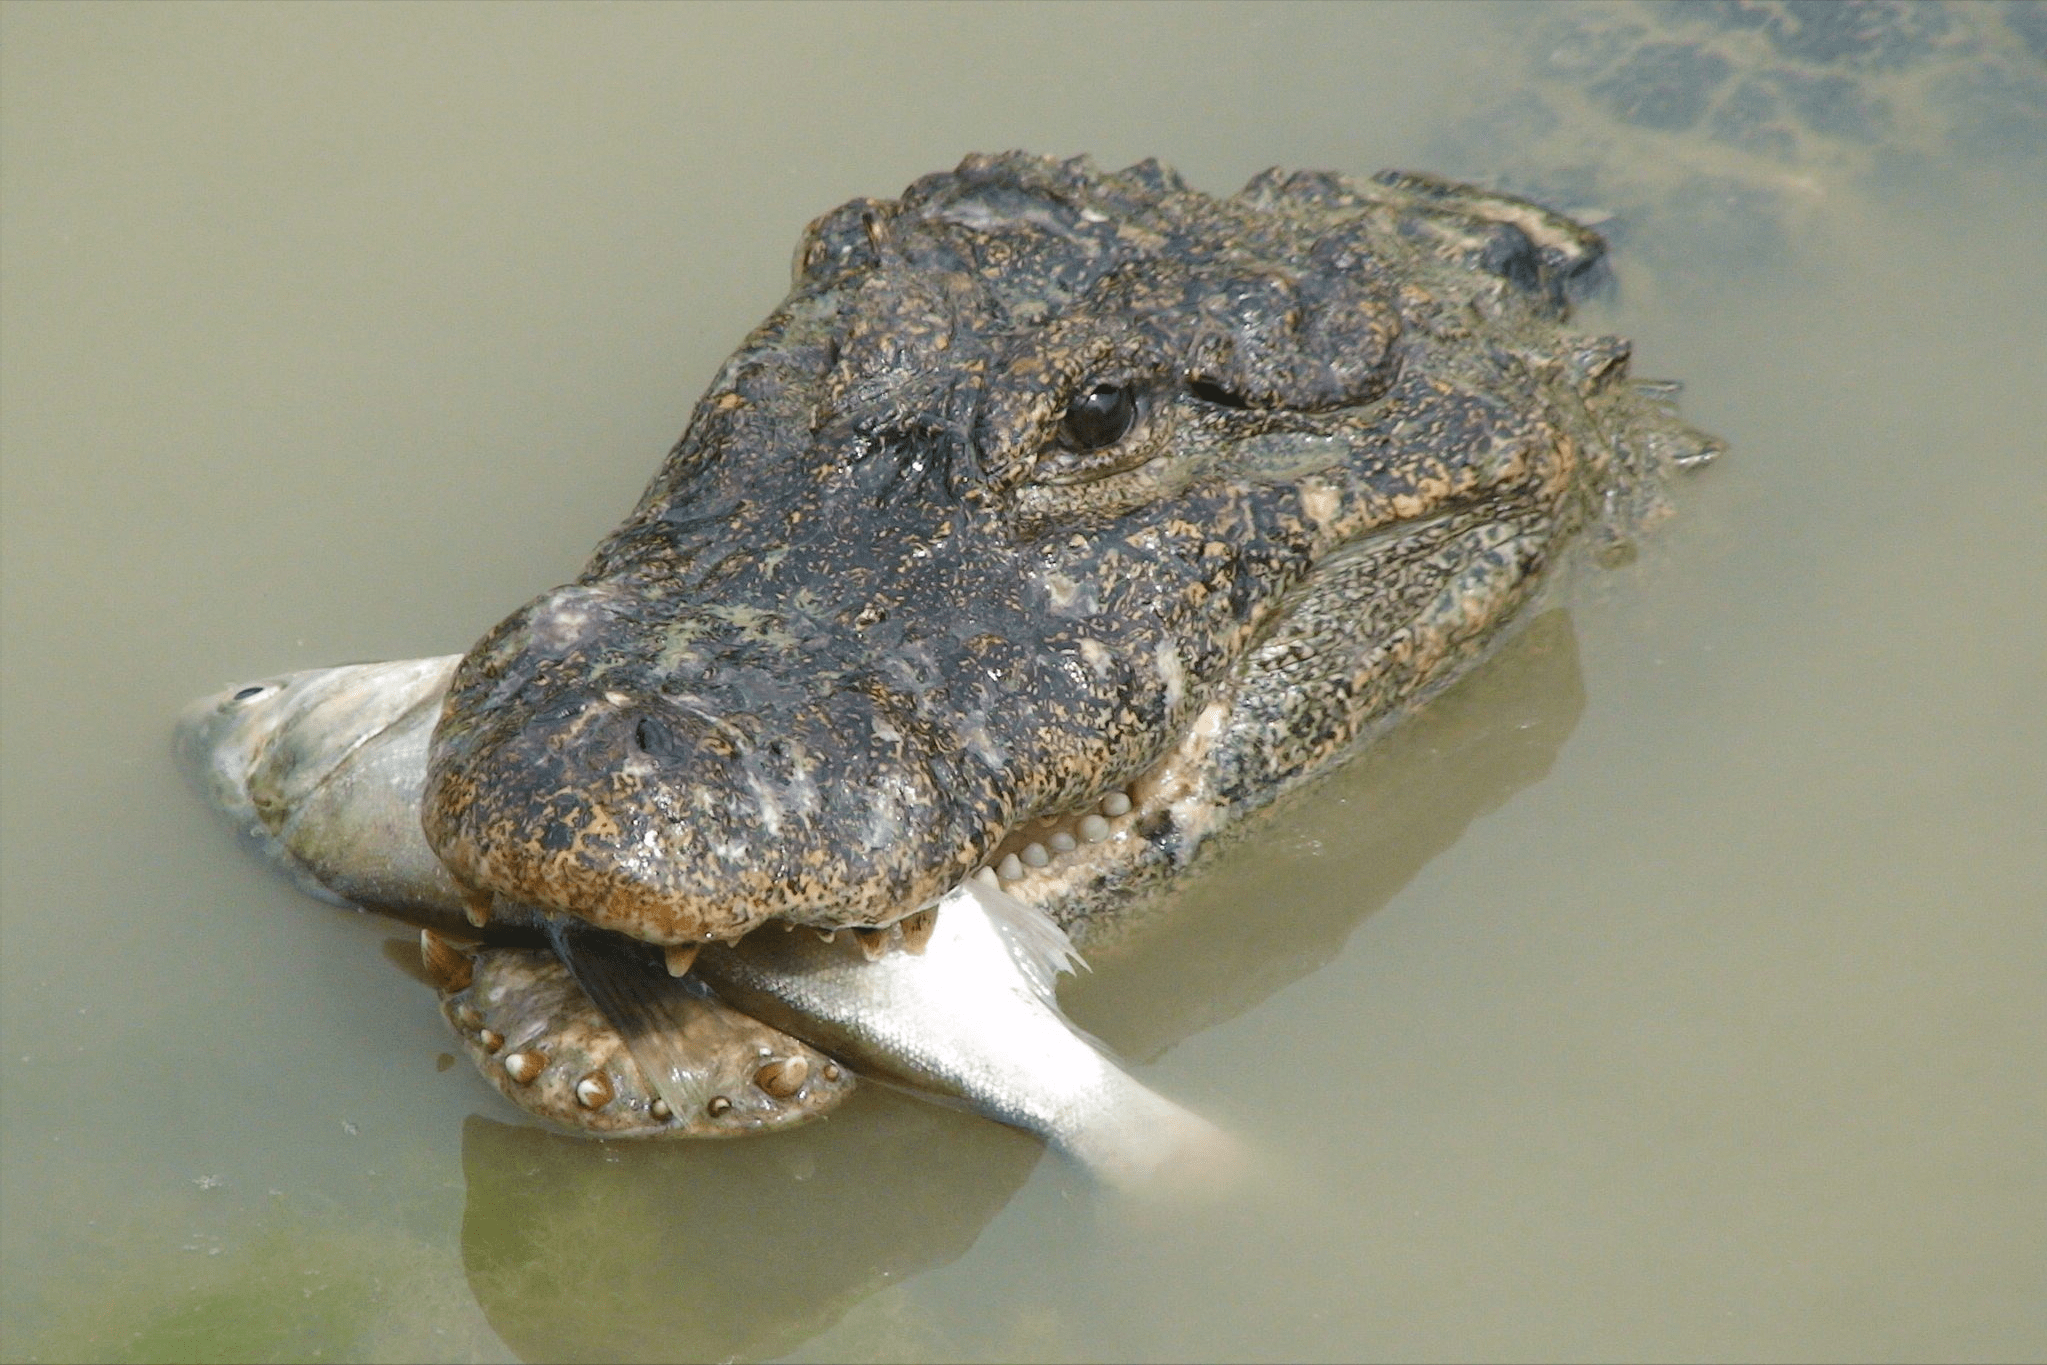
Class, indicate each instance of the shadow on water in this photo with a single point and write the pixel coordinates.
(578, 1250)
(1368, 829)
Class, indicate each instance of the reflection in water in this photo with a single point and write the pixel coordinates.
(578, 1250)
(332, 332)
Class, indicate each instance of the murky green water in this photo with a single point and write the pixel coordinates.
(1671, 990)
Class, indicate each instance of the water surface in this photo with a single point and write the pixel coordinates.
(1670, 990)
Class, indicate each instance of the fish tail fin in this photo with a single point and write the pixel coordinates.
(1135, 1139)
(1145, 1144)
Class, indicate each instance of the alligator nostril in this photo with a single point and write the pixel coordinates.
(1509, 254)
(657, 740)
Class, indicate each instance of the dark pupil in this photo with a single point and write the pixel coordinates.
(1100, 417)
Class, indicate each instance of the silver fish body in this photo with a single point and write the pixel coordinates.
(323, 770)
(971, 1018)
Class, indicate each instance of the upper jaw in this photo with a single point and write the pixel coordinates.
(576, 770)
(708, 856)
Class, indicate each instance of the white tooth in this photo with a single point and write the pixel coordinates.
(1009, 869)
(1034, 854)
(1094, 829)
(987, 876)
(1115, 803)
(450, 967)
(659, 1109)
(1062, 842)
(680, 956)
(783, 1078)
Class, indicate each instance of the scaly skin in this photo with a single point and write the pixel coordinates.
(889, 612)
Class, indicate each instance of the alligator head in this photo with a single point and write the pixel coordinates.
(1045, 487)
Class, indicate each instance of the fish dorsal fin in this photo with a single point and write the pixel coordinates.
(1039, 947)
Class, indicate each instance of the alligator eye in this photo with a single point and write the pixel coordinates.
(1101, 416)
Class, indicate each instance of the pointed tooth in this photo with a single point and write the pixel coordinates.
(594, 1090)
(680, 956)
(718, 1105)
(490, 1040)
(987, 877)
(1062, 842)
(826, 935)
(873, 942)
(660, 1110)
(525, 1065)
(784, 1077)
(448, 965)
(468, 1016)
(1034, 854)
(1094, 829)
(918, 928)
(1115, 804)
(476, 908)
(1009, 869)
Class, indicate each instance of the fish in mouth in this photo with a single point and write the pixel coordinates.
(1056, 521)
(322, 772)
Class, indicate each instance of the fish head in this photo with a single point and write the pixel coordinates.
(257, 750)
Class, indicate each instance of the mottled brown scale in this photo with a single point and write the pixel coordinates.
(878, 610)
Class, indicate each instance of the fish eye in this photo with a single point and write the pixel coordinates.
(1099, 416)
